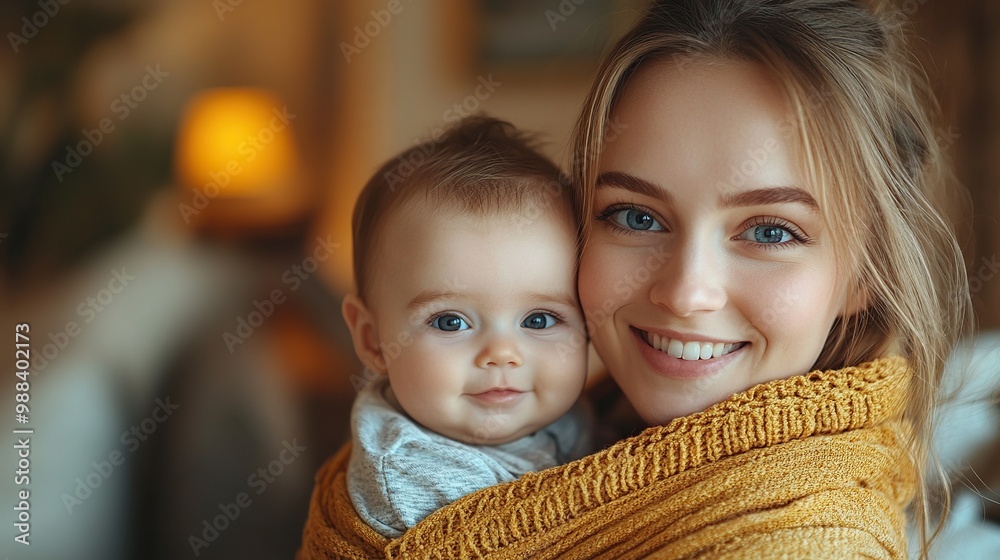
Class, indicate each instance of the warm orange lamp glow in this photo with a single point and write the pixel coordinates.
(237, 160)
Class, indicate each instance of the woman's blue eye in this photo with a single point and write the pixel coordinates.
(450, 323)
(769, 235)
(538, 321)
(636, 220)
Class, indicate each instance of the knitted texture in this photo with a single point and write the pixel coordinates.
(813, 466)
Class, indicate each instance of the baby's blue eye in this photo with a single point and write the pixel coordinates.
(450, 323)
(539, 321)
(638, 220)
(767, 234)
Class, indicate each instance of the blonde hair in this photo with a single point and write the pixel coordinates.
(481, 166)
(861, 114)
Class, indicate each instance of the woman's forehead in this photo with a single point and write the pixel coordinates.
(727, 125)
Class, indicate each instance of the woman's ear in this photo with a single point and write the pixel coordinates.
(364, 332)
(855, 299)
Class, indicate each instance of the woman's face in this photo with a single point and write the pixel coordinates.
(709, 268)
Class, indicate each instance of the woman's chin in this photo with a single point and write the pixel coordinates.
(661, 411)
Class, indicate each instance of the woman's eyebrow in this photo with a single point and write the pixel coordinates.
(634, 184)
(756, 197)
(772, 195)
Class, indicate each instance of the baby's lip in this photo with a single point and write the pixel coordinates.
(498, 395)
(498, 390)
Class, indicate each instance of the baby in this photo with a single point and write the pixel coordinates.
(465, 257)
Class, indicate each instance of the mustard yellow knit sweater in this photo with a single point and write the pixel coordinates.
(808, 467)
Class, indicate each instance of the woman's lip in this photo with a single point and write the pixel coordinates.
(669, 366)
(684, 337)
(498, 396)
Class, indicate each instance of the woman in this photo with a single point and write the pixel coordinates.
(766, 277)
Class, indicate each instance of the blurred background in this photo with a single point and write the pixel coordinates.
(176, 184)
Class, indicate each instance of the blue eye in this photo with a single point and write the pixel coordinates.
(539, 321)
(635, 219)
(768, 235)
(449, 323)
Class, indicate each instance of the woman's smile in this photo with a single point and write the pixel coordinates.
(688, 347)
(661, 353)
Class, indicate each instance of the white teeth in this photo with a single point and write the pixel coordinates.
(675, 348)
(689, 350)
(692, 351)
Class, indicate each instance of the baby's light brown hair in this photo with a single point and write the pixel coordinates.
(481, 166)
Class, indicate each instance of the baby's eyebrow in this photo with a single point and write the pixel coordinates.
(429, 296)
(569, 300)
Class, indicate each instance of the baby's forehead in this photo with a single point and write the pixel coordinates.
(439, 245)
(447, 209)
(423, 226)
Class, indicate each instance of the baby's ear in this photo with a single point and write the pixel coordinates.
(364, 332)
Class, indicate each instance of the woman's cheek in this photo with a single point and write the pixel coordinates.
(595, 286)
(607, 281)
(598, 276)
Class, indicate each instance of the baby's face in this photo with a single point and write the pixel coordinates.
(479, 322)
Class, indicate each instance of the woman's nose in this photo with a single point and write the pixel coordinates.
(499, 351)
(692, 280)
